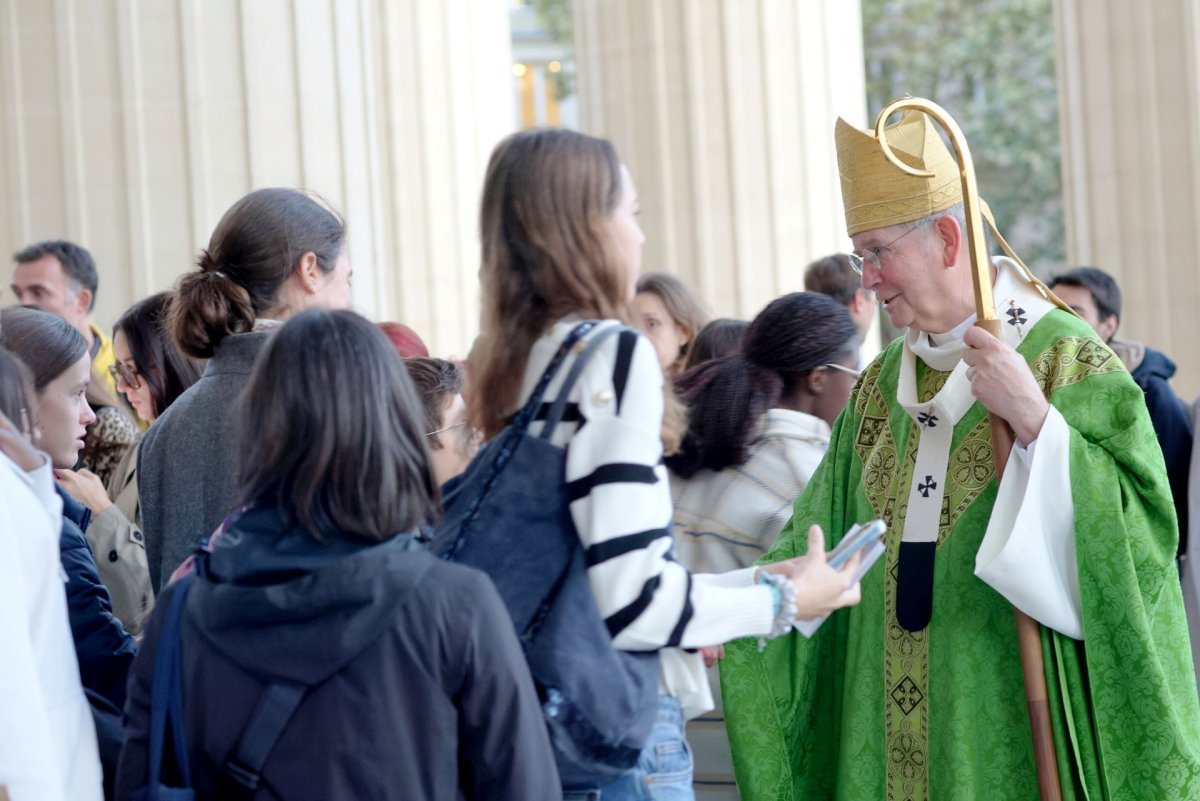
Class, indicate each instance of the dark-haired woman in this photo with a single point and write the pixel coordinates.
(759, 424)
(151, 373)
(57, 356)
(561, 245)
(721, 337)
(414, 685)
(275, 253)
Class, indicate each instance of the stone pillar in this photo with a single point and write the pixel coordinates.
(130, 127)
(1129, 100)
(724, 112)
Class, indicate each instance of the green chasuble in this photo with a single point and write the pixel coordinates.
(866, 710)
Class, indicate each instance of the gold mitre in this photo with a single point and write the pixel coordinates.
(875, 194)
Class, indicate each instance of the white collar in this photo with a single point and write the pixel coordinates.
(954, 333)
(943, 352)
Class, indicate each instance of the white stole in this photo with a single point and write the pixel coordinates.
(1028, 550)
(1020, 309)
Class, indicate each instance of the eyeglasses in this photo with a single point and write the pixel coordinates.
(841, 368)
(124, 374)
(459, 424)
(872, 254)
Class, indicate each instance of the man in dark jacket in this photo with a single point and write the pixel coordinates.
(102, 647)
(416, 686)
(1096, 297)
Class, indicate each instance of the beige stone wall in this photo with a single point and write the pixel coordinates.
(131, 126)
(724, 111)
(1129, 97)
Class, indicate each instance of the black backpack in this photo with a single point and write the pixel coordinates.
(243, 768)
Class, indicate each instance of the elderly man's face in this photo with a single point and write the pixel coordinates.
(43, 283)
(907, 275)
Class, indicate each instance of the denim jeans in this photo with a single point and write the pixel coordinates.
(663, 772)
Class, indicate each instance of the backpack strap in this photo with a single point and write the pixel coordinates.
(268, 720)
(560, 403)
(166, 692)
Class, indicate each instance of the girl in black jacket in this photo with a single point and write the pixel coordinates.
(414, 684)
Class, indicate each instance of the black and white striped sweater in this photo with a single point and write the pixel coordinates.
(621, 503)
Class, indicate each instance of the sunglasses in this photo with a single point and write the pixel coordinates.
(124, 374)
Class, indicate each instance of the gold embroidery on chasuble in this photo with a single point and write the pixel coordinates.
(1071, 360)
(886, 480)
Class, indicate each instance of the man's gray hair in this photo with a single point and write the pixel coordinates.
(959, 213)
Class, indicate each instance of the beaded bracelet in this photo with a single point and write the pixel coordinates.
(783, 592)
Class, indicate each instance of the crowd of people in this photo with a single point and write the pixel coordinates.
(269, 581)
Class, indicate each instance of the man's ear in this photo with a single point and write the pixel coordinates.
(1108, 327)
(308, 270)
(951, 236)
(859, 303)
(83, 301)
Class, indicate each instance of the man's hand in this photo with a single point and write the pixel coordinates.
(1002, 382)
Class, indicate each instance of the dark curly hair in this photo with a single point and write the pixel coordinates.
(791, 337)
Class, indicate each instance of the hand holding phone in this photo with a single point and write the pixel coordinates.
(860, 536)
(826, 581)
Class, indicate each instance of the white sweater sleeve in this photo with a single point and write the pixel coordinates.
(621, 507)
(29, 766)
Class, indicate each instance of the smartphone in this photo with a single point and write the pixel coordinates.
(860, 535)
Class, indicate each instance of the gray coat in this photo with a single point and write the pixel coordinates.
(187, 467)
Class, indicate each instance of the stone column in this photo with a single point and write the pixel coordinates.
(130, 127)
(1129, 100)
(724, 111)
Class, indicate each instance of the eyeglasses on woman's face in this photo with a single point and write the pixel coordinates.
(123, 374)
(459, 424)
(841, 368)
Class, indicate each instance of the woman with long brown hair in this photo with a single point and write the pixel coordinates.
(561, 246)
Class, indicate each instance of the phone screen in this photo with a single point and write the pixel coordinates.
(858, 537)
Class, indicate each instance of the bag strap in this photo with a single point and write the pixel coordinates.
(166, 693)
(504, 444)
(552, 420)
(525, 416)
(560, 403)
(268, 720)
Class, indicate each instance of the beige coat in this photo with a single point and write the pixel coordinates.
(115, 536)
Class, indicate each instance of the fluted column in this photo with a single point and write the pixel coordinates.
(130, 126)
(1129, 98)
(724, 111)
